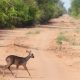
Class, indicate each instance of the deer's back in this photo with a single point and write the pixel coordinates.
(12, 59)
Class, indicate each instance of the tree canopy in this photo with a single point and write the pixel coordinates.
(75, 8)
(16, 13)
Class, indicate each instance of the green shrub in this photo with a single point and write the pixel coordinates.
(75, 8)
(49, 9)
(60, 38)
(27, 12)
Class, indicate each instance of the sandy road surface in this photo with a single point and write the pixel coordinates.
(45, 65)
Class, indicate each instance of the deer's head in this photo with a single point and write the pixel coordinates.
(30, 54)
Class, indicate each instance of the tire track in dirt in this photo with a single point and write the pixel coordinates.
(45, 66)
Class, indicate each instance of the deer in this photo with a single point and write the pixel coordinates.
(16, 60)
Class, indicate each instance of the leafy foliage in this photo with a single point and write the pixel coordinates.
(60, 38)
(27, 12)
(50, 9)
(75, 8)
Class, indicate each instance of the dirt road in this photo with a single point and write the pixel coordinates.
(46, 65)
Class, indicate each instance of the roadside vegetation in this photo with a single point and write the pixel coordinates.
(23, 13)
(75, 8)
(60, 39)
(33, 32)
(65, 38)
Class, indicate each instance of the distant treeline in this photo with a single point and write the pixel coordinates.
(21, 13)
(75, 8)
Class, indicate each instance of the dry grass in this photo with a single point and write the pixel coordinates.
(33, 32)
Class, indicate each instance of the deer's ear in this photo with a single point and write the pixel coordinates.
(30, 52)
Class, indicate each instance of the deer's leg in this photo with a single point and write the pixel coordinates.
(26, 69)
(11, 71)
(17, 66)
(7, 67)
